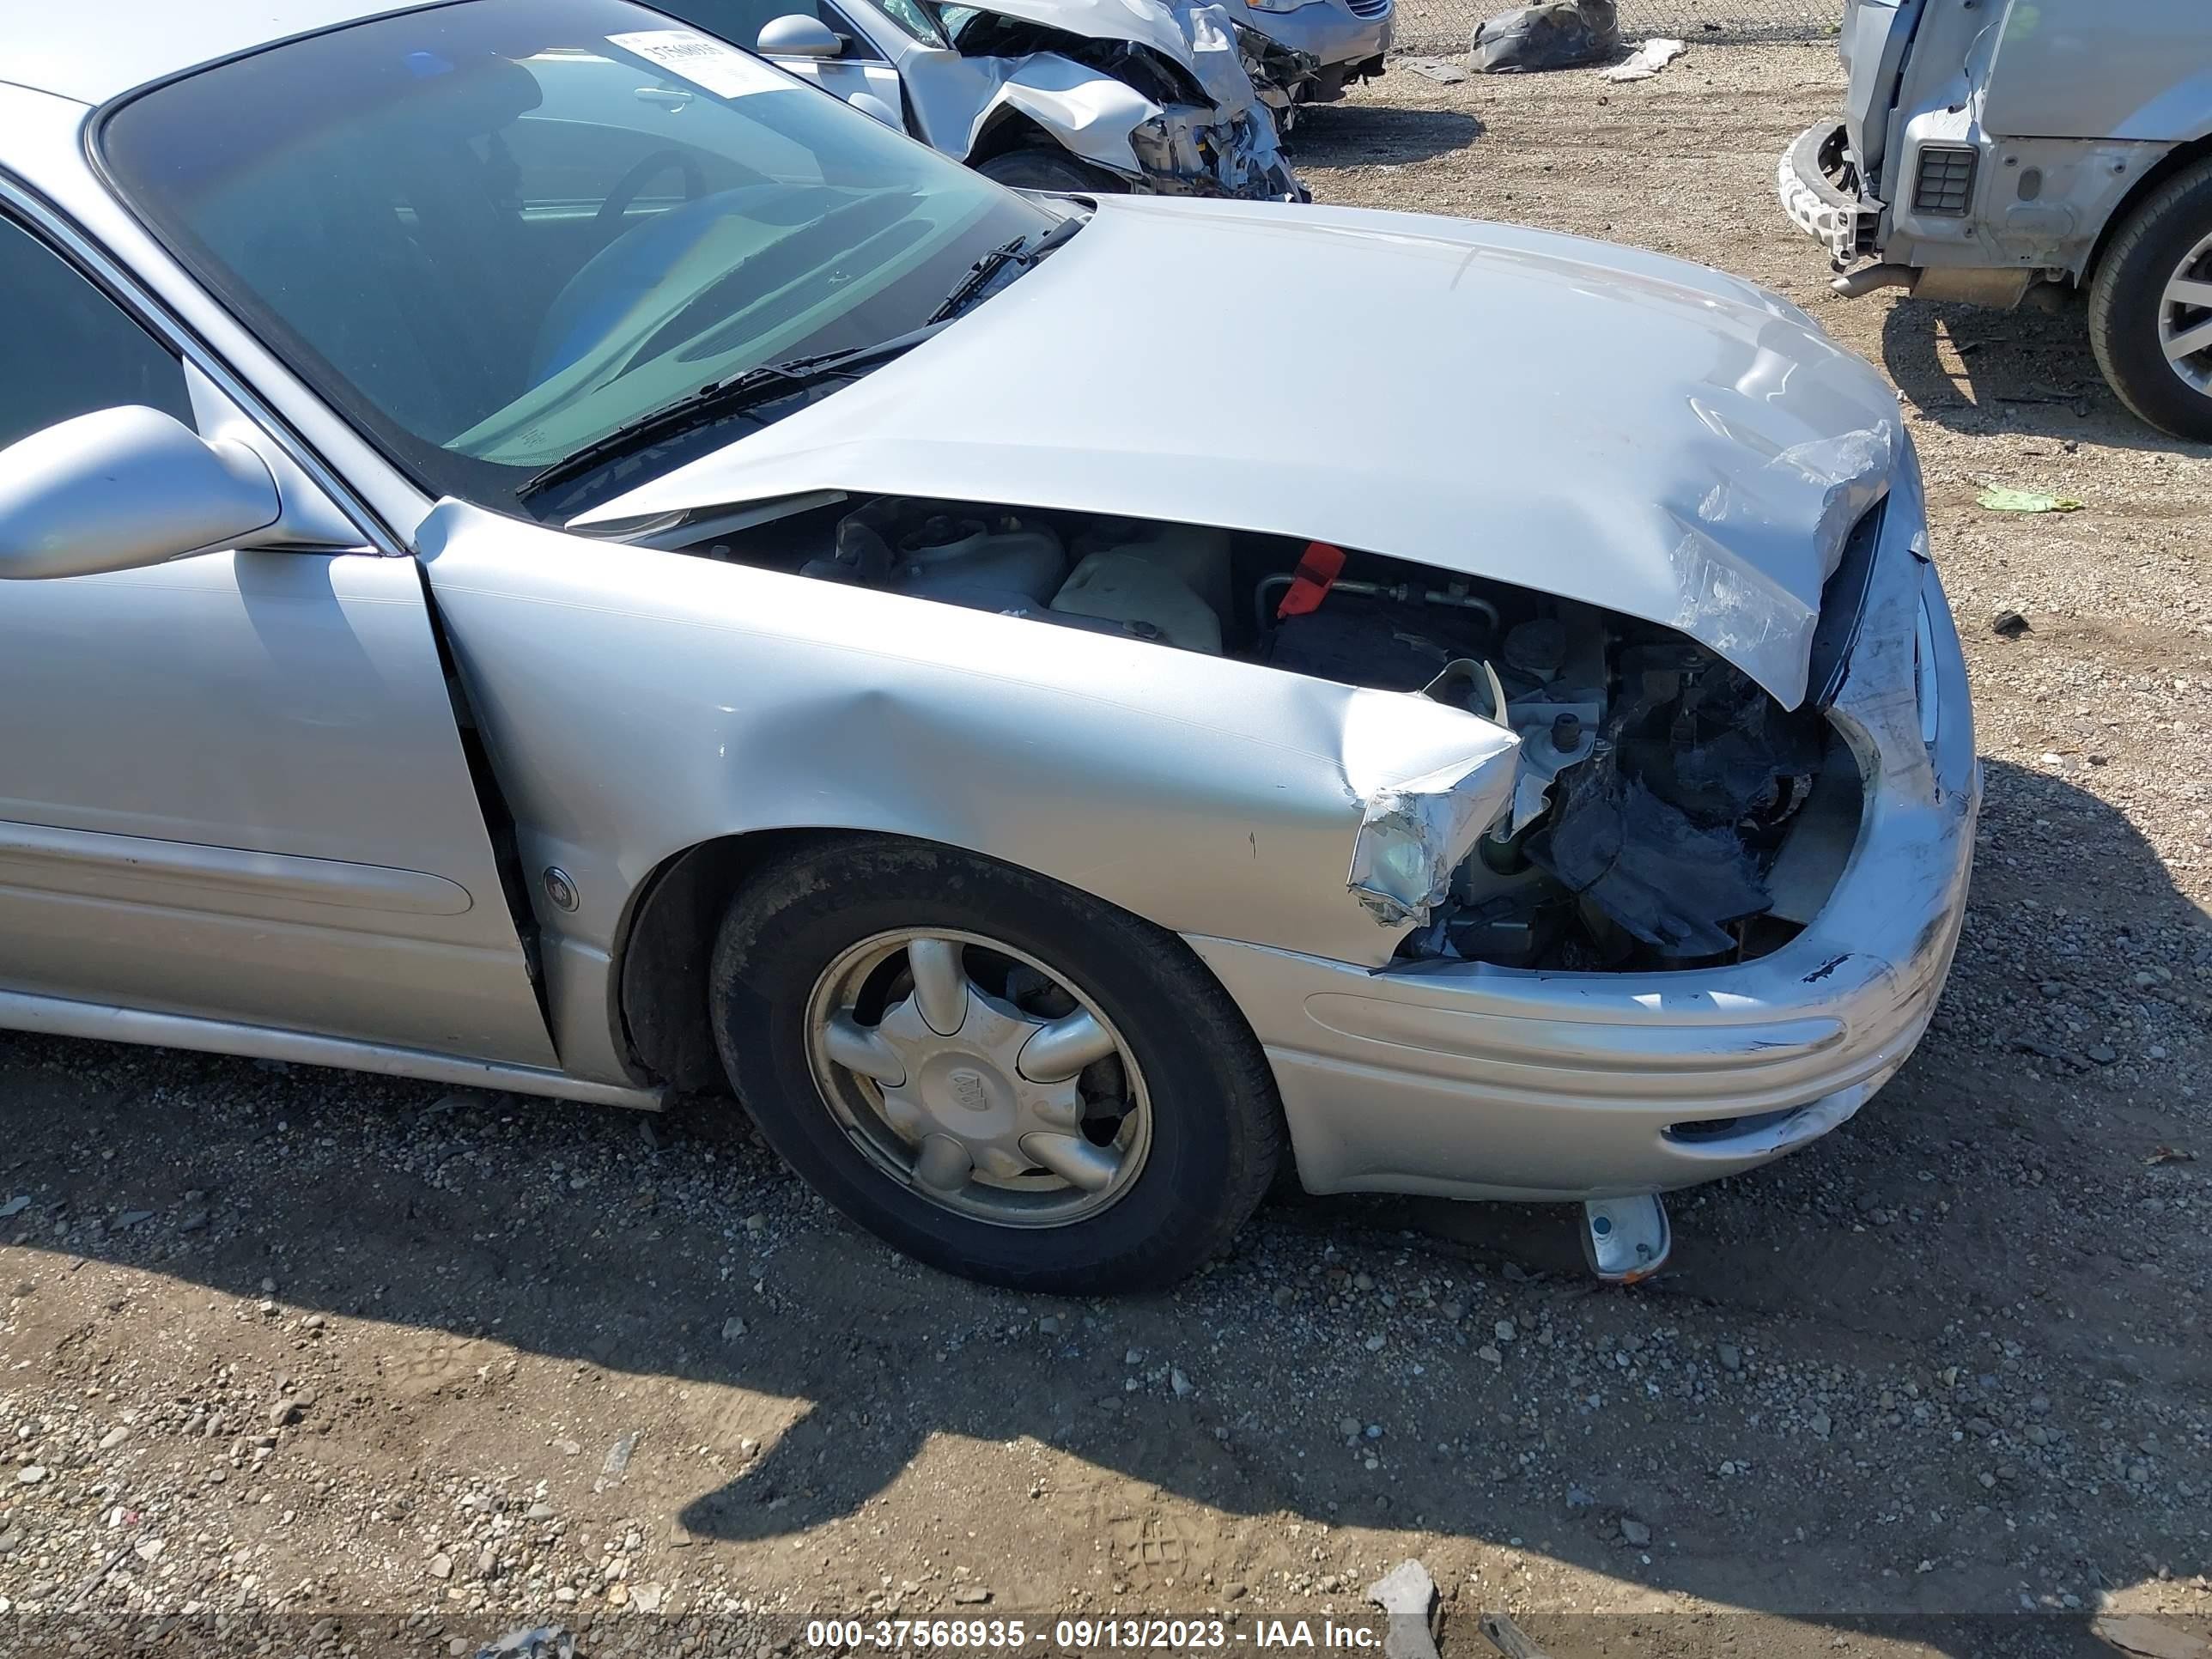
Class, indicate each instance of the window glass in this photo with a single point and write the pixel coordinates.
(740, 21)
(66, 349)
(500, 231)
(912, 16)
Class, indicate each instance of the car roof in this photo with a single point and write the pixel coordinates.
(92, 50)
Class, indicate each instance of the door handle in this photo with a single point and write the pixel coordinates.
(669, 97)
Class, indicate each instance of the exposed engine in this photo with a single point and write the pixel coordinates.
(1167, 583)
(1658, 790)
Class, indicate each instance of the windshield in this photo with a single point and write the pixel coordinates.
(496, 232)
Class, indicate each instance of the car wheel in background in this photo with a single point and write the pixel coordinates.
(1034, 167)
(1002, 1077)
(2150, 308)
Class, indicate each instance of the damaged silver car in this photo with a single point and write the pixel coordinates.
(2009, 151)
(1167, 97)
(833, 638)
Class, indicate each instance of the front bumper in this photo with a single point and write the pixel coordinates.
(1809, 181)
(1331, 31)
(1472, 1081)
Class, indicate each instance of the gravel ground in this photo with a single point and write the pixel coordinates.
(298, 1360)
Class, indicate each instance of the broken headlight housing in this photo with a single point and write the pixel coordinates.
(1414, 836)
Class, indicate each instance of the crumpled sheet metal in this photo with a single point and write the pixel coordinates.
(1190, 152)
(1078, 104)
(1415, 832)
(1723, 380)
(1753, 620)
(1090, 112)
(1218, 58)
(1149, 22)
(1279, 72)
(1412, 837)
(1210, 796)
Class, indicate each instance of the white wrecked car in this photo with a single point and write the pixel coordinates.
(834, 635)
(1167, 97)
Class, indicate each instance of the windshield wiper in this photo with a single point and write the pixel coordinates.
(1020, 252)
(765, 383)
(770, 382)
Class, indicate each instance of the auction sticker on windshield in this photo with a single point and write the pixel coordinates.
(718, 67)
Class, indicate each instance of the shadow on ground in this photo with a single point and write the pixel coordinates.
(1981, 1210)
(1377, 135)
(2029, 371)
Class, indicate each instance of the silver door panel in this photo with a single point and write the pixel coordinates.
(2088, 69)
(235, 789)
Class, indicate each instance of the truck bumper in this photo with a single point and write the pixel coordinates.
(1810, 182)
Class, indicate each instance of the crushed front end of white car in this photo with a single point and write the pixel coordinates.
(1161, 96)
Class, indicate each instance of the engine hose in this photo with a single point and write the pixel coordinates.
(1402, 593)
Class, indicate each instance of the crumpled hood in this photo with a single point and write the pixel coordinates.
(1590, 421)
(1146, 21)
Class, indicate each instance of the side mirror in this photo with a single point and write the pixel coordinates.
(797, 35)
(868, 104)
(123, 488)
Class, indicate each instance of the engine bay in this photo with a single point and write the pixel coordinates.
(1668, 812)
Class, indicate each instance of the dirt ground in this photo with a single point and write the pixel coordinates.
(298, 1360)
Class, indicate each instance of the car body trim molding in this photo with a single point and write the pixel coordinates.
(1569, 1045)
(101, 1022)
(223, 878)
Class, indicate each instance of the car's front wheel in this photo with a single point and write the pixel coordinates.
(2150, 308)
(1001, 1076)
(1032, 166)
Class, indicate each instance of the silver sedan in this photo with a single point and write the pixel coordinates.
(547, 555)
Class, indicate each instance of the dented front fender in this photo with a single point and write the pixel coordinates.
(1090, 115)
(637, 702)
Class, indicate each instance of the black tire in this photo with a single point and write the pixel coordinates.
(1035, 167)
(1216, 1124)
(2127, 296)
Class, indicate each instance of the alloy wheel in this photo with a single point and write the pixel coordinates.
(979, 1076)
(2185, 319)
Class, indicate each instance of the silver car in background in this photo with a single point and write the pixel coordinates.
(478, 611)
(1166, 97)
(2031, 149)
(1344, 40)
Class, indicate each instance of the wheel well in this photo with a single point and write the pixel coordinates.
(1008, 130)
(2182, 157)
(666, 950)
(663, 955)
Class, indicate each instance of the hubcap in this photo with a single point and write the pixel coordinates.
(979, 1076)
(2185, 319)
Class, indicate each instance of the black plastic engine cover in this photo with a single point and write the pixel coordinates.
(1361, 640)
